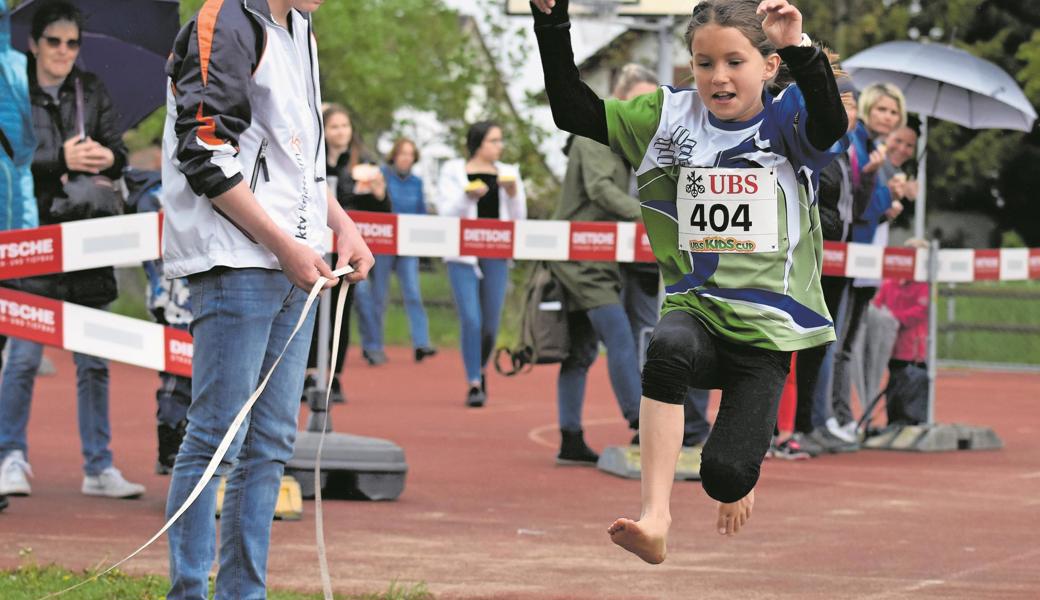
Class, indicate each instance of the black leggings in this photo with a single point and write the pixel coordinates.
(684, 353)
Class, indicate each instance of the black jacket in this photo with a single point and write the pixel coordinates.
(54, 123)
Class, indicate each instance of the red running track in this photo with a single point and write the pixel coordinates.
(485, 513)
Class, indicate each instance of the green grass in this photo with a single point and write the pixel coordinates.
(1014, 348)
(31, 582)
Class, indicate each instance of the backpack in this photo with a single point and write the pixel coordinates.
(544, 338)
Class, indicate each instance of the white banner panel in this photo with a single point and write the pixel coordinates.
(101, 333)
(865, 261)
(111, 241)
(422, 235)
(626, 242)
(542, 240)
(1014, 264)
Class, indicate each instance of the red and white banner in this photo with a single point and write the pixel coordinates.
(131, 239)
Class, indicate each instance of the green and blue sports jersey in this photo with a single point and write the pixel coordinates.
(771, 299)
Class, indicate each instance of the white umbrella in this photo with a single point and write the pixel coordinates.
(946, 83)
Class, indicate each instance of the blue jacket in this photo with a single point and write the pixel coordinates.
(17, 202)
(866, 224)
(407, 194)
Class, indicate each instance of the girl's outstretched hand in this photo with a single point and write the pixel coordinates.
(545, 6)
(783, 23)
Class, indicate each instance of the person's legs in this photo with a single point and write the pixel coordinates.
(752, 383)
(695, 417)
(407, 268)
(234, 311)
(92, 407)
(613, 329)
(254, 482)
(640, 287)
(680, 347)
(16, 390)
(493, 287)
(465, 286)
(366, 297)
(172, 399)
(858, 300)
(570, 391)
(380, 297)
(574, 370)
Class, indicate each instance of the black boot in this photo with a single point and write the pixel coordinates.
(574, 451)
(170, 439)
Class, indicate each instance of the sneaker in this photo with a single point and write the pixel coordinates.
(374, 357)
(475, 397)
(111, 484)
(574, 451)
(840, 431)
(830, 443)
(14, 475)
(309, 383)
(795, 448)
(424, 352)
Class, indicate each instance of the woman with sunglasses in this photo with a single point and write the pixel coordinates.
(75, 126)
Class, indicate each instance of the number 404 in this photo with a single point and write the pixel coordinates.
(719, 219)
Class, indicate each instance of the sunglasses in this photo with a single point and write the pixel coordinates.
(56, 42)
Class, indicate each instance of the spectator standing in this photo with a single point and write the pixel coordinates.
(882, 110)
(75, 125)
(239, 105)
(907, 300)
(17, 143)
(480, 187)
(409, 198)
(343, 154)
(360, 186)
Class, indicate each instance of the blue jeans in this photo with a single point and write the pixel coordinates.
(16, 391)
(608, 324)
(478, 301)
(639, 295)
(372, 297)
(243, 318)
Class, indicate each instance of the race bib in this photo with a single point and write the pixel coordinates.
(727, 210)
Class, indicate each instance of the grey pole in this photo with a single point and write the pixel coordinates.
(920, 205)
(933, 318)
(665, 62)
(316, 401)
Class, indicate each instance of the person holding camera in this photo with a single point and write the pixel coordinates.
(79, 154)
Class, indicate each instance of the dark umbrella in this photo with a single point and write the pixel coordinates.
(125, 42)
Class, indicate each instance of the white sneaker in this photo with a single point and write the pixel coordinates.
(14, 474)
(841, 432)
(110, 483)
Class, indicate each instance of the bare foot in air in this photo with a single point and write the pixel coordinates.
(646, 538)
(734, 515)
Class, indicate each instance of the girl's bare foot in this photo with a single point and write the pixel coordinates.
(646, 538)
(733, 515)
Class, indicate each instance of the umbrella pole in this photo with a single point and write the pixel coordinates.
(920, 205)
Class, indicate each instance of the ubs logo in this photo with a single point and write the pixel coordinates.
(694, 184)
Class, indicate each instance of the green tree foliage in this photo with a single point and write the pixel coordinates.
(378, 56)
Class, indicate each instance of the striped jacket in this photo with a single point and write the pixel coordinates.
(243, 103)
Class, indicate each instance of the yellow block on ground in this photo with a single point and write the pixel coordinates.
(290, 500)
